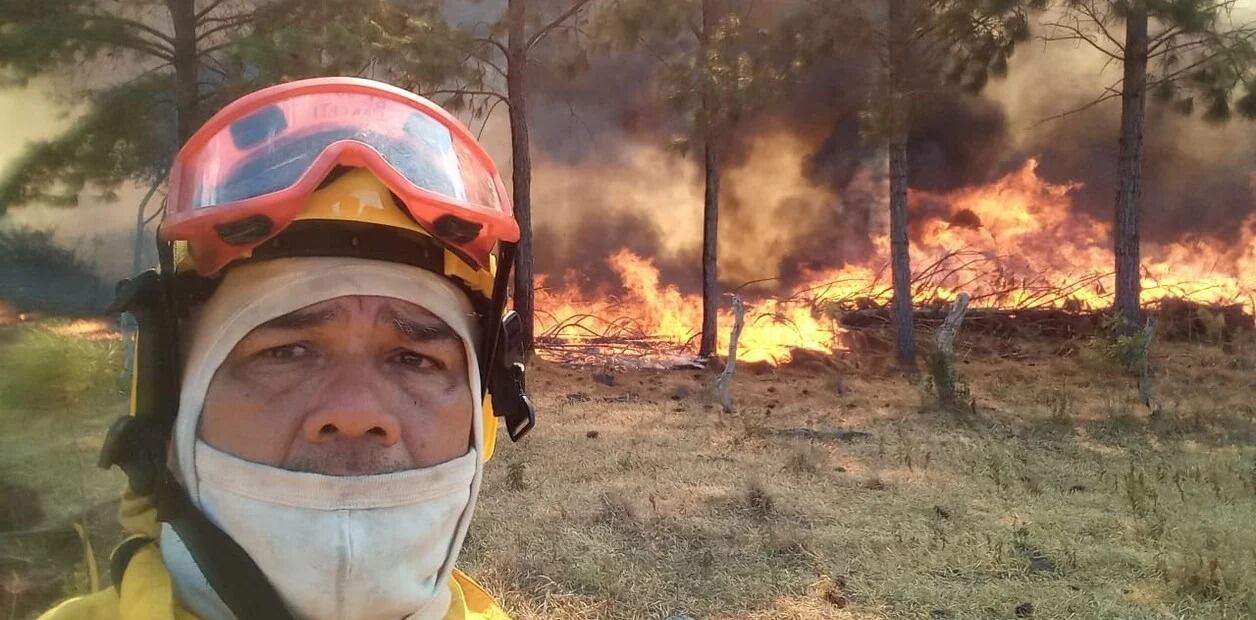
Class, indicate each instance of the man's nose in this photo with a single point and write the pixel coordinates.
(352, 410)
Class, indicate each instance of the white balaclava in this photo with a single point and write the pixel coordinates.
(334, 547)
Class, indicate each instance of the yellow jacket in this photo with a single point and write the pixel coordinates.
(147, 594)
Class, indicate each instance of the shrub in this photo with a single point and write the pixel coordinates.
(759, 501)
(41, 370)
(1129, 352)
(21, 508)
(38, 275)
(805, 459)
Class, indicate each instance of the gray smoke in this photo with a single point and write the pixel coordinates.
(1197, 177)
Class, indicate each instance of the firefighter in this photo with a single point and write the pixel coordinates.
(322, 360)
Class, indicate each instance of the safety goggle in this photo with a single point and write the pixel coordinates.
(244, 176)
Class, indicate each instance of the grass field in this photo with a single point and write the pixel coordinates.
(835, 491)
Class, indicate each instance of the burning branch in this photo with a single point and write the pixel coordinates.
(724, 384)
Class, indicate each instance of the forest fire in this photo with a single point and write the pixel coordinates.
(1013, 244)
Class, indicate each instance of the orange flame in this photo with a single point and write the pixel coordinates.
(1015, 243)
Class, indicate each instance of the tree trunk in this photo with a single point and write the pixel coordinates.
(1129, 172)
(710, 243)
(711, 196)
(900, 260)
(186, 66)
(521, 166)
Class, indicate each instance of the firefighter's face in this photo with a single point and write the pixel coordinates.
(350, 386)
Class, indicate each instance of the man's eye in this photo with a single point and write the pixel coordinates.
(415, 360)
(288, 352)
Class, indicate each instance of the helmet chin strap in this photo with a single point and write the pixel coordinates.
(501, 363)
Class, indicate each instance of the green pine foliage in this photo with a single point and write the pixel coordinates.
(746, 59)
(948, 45)
(122, 58)
(1200, 58)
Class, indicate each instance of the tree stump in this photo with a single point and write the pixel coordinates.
(724, 384)
(1142, 363)
(951, 394)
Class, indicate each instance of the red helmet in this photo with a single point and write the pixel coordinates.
(245, 175)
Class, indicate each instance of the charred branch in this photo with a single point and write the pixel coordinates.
(545, 30)
(469, 92)
(209, 8)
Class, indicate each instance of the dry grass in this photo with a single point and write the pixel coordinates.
(1062, 497)
(1061, 494)
(58, 393)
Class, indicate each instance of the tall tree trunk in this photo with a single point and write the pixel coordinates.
(711, 195)
(1129, 171)
(710, 244)
(186, 66)
(900, 259)
(521, 165)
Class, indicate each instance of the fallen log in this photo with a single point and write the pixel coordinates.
(1186, 320)
(824, 435)
(1036, 323)
(1178, 319)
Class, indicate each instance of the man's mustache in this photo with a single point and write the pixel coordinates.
(348, 458)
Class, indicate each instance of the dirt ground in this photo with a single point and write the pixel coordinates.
(836, 490)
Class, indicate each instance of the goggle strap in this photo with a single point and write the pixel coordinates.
(492, 332)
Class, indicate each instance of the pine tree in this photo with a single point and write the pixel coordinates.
(499, 62)
(170, 64)
(1186, 53)
(155, 69)
(718, 67)
(922, 48)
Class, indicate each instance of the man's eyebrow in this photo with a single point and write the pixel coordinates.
(300, 319)
(420, 331)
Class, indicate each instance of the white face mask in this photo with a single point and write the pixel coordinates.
(339, 547)
(334, 547)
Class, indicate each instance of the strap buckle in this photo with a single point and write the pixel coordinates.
(128, 444)
(136, 294)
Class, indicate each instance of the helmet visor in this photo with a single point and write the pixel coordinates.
(273, 148)
(244, 176)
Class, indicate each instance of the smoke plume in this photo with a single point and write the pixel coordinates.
(804, 191)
